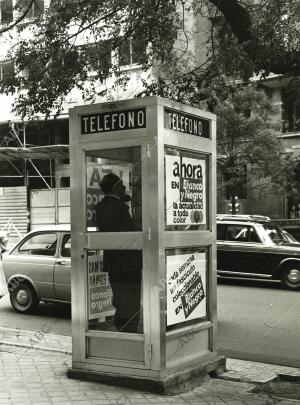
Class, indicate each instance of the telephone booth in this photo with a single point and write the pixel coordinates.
(143, 294)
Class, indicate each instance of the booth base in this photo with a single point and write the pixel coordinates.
(181, 381)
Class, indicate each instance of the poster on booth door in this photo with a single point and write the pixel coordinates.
(186, 287)
(185, 191)
(95, 173)
(99, 290)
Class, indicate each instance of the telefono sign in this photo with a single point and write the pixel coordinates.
(187, 123)
(113, 121)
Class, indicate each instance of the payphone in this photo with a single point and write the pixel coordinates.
(143, 206)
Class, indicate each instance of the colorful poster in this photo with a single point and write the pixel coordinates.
(186, 287)
(100, 293)
(185, 190)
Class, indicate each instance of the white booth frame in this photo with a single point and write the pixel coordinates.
(154, 240)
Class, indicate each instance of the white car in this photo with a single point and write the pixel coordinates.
(38, 268)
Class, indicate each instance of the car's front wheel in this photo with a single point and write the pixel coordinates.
(23, 298)
(291, 276)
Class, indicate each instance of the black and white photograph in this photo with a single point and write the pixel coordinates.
(149, 202)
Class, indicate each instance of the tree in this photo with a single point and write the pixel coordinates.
(266, 31)
(55, 54)
(249, 144)
(246, 37)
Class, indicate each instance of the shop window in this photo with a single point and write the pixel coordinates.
(290, 112)
(97, 57)
(132, 51)
(6, 11)
(36, 9)
(6, 69)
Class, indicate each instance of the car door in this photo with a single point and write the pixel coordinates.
(227, 250)
(241, 251)
(34, 258)
(62, 270)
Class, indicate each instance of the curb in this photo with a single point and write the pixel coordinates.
(40, 348)
(242, 379)
(31, 340)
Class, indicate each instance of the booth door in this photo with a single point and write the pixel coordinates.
(116, 180)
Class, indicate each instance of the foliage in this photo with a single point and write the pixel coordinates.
(264, 34)
(51, 59)
(248, 141)
(246, 38)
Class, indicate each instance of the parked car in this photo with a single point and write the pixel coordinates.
(252, 246)
(38, 268)
(292, 226)
(290, 237)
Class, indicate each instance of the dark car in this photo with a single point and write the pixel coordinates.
(252, 246)
(292, 226)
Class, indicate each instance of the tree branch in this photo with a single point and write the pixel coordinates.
(18, 20)
(237, 17)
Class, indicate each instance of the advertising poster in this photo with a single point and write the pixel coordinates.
(185, 190)
(186, 287)
(99, 290)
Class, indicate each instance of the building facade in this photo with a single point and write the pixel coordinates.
(254, 199)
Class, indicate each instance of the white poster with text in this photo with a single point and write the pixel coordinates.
(186, 287)
(99, 291)
(185, 190)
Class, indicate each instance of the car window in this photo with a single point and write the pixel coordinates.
(40, 244)
(236, 233)
(253, 236)
(290, 237)
(66, 246)
(274, 233)
(240, 233)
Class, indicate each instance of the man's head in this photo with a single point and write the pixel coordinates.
(112, 184)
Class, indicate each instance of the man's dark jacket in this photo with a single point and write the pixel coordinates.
(113, 216)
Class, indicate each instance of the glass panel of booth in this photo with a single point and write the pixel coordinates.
(186, 190)
(111, 175)
(114, 297)
(114, 204)
(186, 286)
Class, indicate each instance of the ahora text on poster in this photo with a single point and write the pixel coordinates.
(185, 190)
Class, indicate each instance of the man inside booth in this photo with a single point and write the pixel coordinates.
(124, 267)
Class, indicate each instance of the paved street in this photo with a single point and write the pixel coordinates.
(259, 318)
(259, 321)
(56, 317)
(256, 321)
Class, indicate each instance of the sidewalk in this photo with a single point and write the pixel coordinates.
(33, 371)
